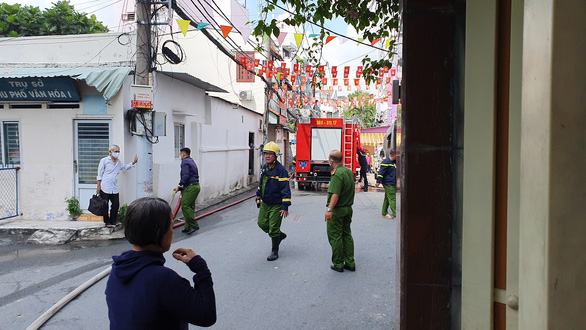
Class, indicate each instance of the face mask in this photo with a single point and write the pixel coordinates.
(115, 154)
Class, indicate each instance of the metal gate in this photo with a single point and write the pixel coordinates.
(8, 192)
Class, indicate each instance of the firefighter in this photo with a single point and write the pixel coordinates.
(363, 167)
(387, 177)
(274, 197)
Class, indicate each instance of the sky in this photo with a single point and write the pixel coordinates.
(334, 53)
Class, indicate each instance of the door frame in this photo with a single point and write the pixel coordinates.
(76, 184)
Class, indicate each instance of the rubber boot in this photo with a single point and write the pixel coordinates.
(283, 236)
(275, 253)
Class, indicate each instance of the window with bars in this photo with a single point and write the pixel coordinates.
(93, 140)
(179, 138)
(10, 142)
(243, 75)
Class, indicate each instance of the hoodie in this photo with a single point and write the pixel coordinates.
(144, 294)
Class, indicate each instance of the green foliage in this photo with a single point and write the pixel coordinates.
(122, 213)
(372, 19)
(365, 114)
(73, 207)
(61, 19)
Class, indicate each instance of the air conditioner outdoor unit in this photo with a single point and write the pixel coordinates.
(245, 95)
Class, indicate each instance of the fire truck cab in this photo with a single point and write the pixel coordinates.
(315, 140)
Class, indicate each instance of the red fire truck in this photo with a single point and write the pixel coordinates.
(315, 140)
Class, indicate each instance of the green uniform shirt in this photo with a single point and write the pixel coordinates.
(342, 184)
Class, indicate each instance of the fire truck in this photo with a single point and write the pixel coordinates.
(316, 138)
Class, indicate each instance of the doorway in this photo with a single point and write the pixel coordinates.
(91, 142)
(250, 153)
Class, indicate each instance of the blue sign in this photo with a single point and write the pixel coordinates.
(38, 89)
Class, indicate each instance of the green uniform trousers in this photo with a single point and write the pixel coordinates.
(390, 199)
(340, 237)
(188, 206)
(269, 219)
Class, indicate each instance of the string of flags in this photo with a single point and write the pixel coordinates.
(305, 74)
(245, 31)
(297, 99)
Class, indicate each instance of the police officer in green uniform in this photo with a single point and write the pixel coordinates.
(339, 214)
(274, 197)
(189, 184)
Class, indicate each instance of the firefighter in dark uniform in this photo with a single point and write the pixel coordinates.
(274, 197)
(387, 177)
(363, 166)
(339, 214)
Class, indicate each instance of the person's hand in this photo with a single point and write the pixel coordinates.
(328, 215)
(377, 184)
(135, 159)
(98, 188)
(176, 189)
(284, 213)
(184, 254)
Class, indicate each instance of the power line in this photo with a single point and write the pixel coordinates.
(323, 27)
(182, 14)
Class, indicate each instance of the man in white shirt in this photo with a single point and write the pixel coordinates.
(108, 171)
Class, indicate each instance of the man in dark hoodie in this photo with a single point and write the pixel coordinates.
(144, 294)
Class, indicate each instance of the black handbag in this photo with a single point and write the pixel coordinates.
(98, 206)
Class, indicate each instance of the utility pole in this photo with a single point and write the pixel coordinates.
(144, 149)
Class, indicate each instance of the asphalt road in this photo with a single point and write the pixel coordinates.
(297, 291)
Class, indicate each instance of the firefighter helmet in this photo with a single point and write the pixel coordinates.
(271, 147)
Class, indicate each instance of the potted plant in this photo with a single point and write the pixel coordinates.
(122, 213)
(73, 207)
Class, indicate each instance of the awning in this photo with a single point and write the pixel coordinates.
(107, 80)
(371, 139)
(194, 81)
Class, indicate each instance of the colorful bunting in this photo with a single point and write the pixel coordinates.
(201, 25)
(281, 37)
(298, 38)
(374, 41)
(329, 38)
(245, 31)
(226, 30)
(183, 25)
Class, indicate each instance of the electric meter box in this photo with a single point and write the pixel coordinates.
(159, 123)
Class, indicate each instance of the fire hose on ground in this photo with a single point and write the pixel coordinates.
(73, 294)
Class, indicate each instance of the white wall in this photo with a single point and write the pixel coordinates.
(224, 149)
(47, 136)
(553, 156)
(215, 130)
